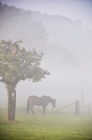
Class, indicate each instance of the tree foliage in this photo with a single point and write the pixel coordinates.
(16, 63)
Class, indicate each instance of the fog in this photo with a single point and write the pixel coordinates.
(67, 51)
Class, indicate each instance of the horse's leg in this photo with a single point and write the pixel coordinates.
(32, 109)
(44, 107)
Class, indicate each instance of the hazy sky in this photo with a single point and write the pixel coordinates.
(74, 9)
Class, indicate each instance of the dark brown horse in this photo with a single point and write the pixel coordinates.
(39, 101)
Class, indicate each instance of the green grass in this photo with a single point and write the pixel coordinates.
(54, 126)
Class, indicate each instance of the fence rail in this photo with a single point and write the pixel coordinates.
(77, 107)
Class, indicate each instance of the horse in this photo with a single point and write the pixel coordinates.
(39, 101)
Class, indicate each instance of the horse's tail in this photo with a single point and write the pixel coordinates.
(28, 106)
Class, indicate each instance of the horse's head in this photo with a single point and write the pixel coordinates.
(54, 103)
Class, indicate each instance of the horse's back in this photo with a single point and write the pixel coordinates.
(39, 101)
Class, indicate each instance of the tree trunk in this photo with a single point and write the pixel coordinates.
(11, 104)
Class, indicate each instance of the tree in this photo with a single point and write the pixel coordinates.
(17, 64)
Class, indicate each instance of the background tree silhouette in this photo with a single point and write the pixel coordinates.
(16, 24)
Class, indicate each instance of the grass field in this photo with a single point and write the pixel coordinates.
(54, 126)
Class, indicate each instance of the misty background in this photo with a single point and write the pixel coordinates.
(63, 31)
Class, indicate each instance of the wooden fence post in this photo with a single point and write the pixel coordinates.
(88, 109)
(77, 107)
(14, 103)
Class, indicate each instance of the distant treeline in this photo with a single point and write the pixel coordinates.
(16, 24)
(55, 35)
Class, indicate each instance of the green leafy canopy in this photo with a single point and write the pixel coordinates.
(18, 64)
